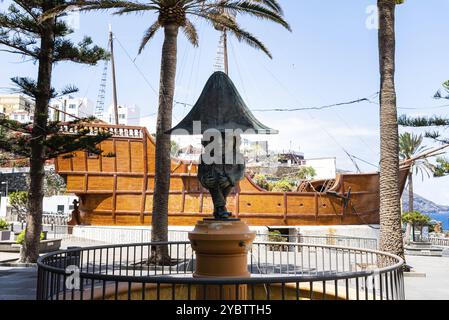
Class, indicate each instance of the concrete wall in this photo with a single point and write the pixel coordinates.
(50, 204)
(117, 234)
(122, 234)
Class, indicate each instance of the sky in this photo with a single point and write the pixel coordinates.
(331, 56)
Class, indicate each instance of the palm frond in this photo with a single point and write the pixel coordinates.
(243, 36)
(190, 32)
(89, 5)
(272, 4)
(149, 34)
(250, 7)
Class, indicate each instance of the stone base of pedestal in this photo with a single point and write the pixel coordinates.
(221, 248)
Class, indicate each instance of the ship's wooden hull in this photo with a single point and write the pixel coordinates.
(119, 190)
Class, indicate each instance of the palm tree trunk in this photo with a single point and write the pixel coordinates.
(390, 210)
(410, 191)
(30, 250)
(163, 160)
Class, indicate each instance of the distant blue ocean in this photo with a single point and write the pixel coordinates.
(443, 217)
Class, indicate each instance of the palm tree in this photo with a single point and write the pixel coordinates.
(173, 15)
(390, 207)
(416, 218)
(410, 145)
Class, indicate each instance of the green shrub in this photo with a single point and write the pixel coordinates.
(19, 202)
(306, 173)
(283, 185)
(21, 237)
(261, 181)
(416, 218)
(276, 236)
(4, 225)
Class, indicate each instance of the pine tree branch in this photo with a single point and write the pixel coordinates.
(84, 53)
(20, 47)
(423, 121)
(27, 7)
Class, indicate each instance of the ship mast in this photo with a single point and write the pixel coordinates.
(225, 51)
(99, 109)
(114, 84)
(222, 60)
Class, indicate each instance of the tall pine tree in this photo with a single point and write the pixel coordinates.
(432, 125)
(46, 42)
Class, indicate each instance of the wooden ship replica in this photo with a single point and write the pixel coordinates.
(119, 190)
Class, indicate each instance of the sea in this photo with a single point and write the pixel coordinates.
(443, 217)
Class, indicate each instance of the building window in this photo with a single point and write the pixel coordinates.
(16, 117)
(72, 106)
(60, 208)
(22, 117)
(121, 116)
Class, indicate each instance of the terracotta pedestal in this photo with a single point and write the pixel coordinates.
(221, 252)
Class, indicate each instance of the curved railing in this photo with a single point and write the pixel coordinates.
(279, 270)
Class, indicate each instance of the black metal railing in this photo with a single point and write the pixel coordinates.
(279, 270)
(441, 242)
(337, 240)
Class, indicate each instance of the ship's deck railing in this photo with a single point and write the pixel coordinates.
(117, 131)
(278, 270)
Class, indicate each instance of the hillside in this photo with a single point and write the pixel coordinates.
(424, 205)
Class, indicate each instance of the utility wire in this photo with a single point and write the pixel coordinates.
(136, 66)
(437, 107)
(368, 99)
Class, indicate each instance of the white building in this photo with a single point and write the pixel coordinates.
(79, 107)
(21, 116)
(325, 168)
(17, 107)
(127, 115)
(255, 149)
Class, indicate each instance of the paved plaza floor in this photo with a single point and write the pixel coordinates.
(435, 284)
(18, 283)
